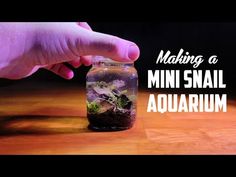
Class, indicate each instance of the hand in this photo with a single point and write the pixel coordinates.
(26, 47)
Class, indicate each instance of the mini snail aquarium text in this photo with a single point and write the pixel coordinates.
(200, 79)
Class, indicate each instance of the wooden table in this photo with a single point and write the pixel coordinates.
(51, 118)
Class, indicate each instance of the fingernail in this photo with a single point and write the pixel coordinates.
(70, 75)
(77, 65)
(133, 52)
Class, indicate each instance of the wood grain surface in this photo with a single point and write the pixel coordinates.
(51, 119)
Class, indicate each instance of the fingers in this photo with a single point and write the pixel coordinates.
(106, 45)
(61, 70)
(118, 49)
(65, 72)
(86, 60)
(76, 63)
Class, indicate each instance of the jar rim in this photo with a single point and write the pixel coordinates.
(106, 60)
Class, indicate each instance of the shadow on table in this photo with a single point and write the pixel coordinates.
(38, 125)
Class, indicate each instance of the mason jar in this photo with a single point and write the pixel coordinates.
(111, 95)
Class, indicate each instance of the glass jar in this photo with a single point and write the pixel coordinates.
(111, 95)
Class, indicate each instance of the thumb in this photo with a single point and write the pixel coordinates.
(94, 43)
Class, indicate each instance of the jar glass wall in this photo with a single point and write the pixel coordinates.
(111, 95)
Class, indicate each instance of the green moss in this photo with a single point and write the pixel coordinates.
(121, 103)
(93, 107)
